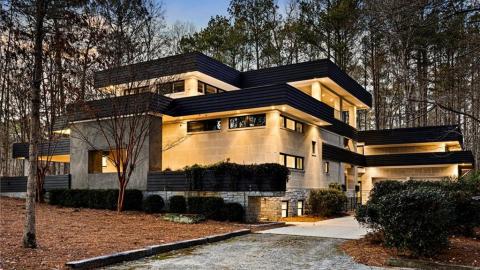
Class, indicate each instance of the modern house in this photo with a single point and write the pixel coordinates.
(303, 116)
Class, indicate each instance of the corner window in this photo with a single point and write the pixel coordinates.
(314, 147)
(284, 209)
(256, 120)
(300, 208)
(291, 124)
(204, 125)
(170, 87)
(292, 162)
(178, 87)
(326, 167)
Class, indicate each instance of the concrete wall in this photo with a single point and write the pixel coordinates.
(376, 150)
(79, 148)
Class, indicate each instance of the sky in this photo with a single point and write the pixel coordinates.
(198, 12)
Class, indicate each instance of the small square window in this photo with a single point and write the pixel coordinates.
(284, 209)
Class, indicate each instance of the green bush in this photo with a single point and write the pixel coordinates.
(326, 202)
(195, 204)
(419, 215)
(177, 204)
(97, 199)
(212, 208)
(153, 204)
(417, 220)
(233, 212)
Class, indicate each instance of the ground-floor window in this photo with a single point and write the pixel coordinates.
(300, 208)
(290, 161)
(284, 208)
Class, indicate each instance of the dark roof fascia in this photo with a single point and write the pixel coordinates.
(304, 71)
(411, 159)
(167, 66)
(334, 153)
(411, 135)
(60, 147)
(271, 95)
(342, 128)
(117, 106)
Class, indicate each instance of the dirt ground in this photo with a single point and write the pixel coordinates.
(66, 234)
(461, 251)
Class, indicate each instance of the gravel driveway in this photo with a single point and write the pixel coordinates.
(254, 251)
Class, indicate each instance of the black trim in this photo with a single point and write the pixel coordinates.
(167, 66)
(304, 71)
(60, 147)
(434, 158)
(411, 135)
(334, 153)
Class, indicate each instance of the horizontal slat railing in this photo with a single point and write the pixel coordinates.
(178, 181)
(19, 183)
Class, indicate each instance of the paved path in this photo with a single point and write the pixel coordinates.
(342, 228)
(254, 251)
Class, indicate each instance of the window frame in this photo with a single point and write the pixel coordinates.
(205, 86)
(326, 167)
(300, 210)
(298, 126)
(297, 159)
(282, 203)
(247, 117)
(217, 120)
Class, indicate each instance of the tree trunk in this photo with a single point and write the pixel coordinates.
(29, 235)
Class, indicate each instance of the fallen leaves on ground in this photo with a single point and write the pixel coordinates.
(66, 234)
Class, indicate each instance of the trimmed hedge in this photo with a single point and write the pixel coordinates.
(211, 207)
(153, 204)
(233, 212)
(326, 202)
(96, 199)
(420, 215)
(177, 204)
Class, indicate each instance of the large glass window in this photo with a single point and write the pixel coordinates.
(208, 89)
(291, 124)
(290, 161)
(256, 120)
(204, 125)
(100, 161)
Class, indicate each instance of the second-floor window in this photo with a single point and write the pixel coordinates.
(256, 120)
(136, 90)
(204, 125)
(291, 124)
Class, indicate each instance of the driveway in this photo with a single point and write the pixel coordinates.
(254, 251)
(342, 228)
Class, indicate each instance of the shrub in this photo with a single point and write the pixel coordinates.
(233, 212)
(97, 199)
(153, 204)
(195, 204)
(416, 219)
(326, 202)
(177, 204)
(212, 208)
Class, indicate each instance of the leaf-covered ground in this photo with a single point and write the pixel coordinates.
(66, 234)
(461, 251)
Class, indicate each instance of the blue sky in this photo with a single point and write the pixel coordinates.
(197, 12)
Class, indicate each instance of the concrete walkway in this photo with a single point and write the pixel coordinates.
(341, 228)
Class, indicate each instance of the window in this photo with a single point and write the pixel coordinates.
(314, 147)
(345, 116)
(300, 208)
(291, 124)
(170, 87)
(204, 125)
(284, 209)
(247, 121)
(136, 90)
(178, 87)
(326, 167)
(101, 161)
(208, 89)
(293, 162)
